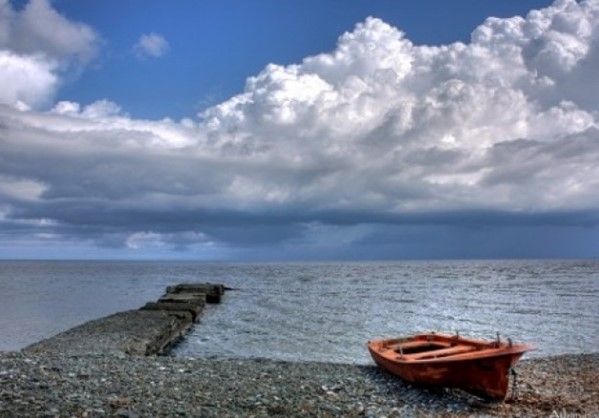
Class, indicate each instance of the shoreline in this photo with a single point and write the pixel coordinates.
(108, 368)
(54, 384)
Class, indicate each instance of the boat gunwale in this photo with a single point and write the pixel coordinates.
(485, 349)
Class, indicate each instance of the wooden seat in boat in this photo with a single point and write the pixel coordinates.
(422, 343)
(418, 346)
(444, 352)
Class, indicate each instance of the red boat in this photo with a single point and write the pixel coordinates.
(477, 366)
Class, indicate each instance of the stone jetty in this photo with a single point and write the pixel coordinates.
(150, 330)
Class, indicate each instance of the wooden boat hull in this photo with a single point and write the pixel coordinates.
(476, 367)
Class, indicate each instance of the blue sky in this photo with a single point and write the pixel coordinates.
(274, 130)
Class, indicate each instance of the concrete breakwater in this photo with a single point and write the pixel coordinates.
(150, 330)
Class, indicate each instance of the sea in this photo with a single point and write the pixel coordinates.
(308, 311)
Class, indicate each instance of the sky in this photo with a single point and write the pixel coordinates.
(288, 130)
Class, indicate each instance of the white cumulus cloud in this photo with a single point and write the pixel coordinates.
(40, 28)
(151, 45)
(27, 80)
(37, 46)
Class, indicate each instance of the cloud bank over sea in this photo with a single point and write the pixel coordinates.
(379, 147)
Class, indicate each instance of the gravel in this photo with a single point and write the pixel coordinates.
(38, 384)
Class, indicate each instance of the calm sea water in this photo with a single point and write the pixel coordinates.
(317, 311)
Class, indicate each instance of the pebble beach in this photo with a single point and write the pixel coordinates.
(120, 385)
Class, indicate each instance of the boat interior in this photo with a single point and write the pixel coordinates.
(432, 347)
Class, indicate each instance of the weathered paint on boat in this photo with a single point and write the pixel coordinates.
(476, 366)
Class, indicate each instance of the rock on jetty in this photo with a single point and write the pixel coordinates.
(150, 330)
